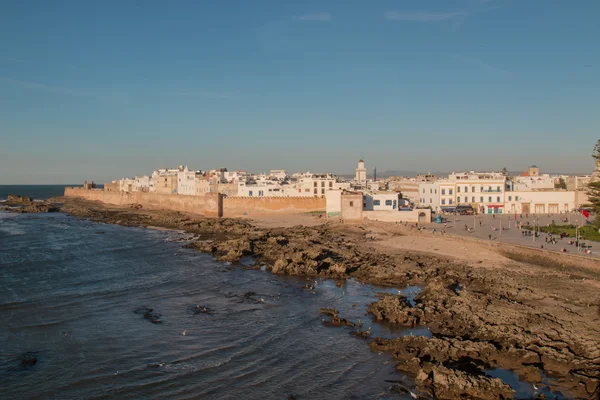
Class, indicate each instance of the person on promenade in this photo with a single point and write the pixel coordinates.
(490, 236)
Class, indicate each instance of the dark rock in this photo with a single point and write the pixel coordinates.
(149, 314)
(15, 199)
(28, 360)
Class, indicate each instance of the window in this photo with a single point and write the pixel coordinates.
(498, 199)
(424, 190)
(443, 201)
(430, 201)
(315, 184)
(315, 191)
(458, 199)
(457, 189)
(322, 184)
(481, 199)
(388, 202)
(490, 188)
(450, 202)
(307, 190)
(466, 189)
(299, 190)
(351, 204)
(430, 191)
(490, 199)
(443, 191)
(509, 198)
(473, 199)
(376, 202)
(322, 191)
(250, 193)
(395, 204)
(435, 191)
(498, 189)
(517, 198)
(473, 189)
(450, 191)
(261, 193)
(330, 184)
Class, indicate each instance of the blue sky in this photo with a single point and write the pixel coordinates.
(101, 90)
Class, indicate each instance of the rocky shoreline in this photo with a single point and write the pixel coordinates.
(542, 323)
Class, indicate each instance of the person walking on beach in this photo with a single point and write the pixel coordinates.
(490, 236)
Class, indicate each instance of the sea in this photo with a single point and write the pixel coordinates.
(73, 294)
(37, 192)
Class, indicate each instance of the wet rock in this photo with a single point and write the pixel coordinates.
(149, 314)
(337, 321)
(14, 199)
(453, 384)
(529, 373)
(329, 311)
(361, 334)
(198, 309)
(395, 309)
(28, 360)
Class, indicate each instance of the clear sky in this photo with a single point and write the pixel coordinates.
(107, 89)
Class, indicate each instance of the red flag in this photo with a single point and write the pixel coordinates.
(585, 213)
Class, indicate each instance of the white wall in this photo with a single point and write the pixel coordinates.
(333, 199)
(550, 202)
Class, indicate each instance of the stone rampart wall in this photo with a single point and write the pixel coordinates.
(255, 206)
(208, 205)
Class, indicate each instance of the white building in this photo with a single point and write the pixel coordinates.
(484, 191)
(142, 183)
(428, 195)
(381, 201)
(236, 176)
(541, 202)
(525, 183)
(186, 181)
(161, 173)
(127, 185)
(278, 174)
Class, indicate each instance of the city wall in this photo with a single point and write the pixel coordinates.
(209, 205)
(256, 206)
(514, 251)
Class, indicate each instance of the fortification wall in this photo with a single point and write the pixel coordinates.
(209, 205)
(254, 206)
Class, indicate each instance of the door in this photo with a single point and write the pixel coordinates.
(525, 208)
(553, 208)
(540, 208)
(422, 217)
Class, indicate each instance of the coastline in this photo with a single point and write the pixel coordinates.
(491, 312)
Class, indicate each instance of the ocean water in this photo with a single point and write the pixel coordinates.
(69, 290)
(37, 192)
